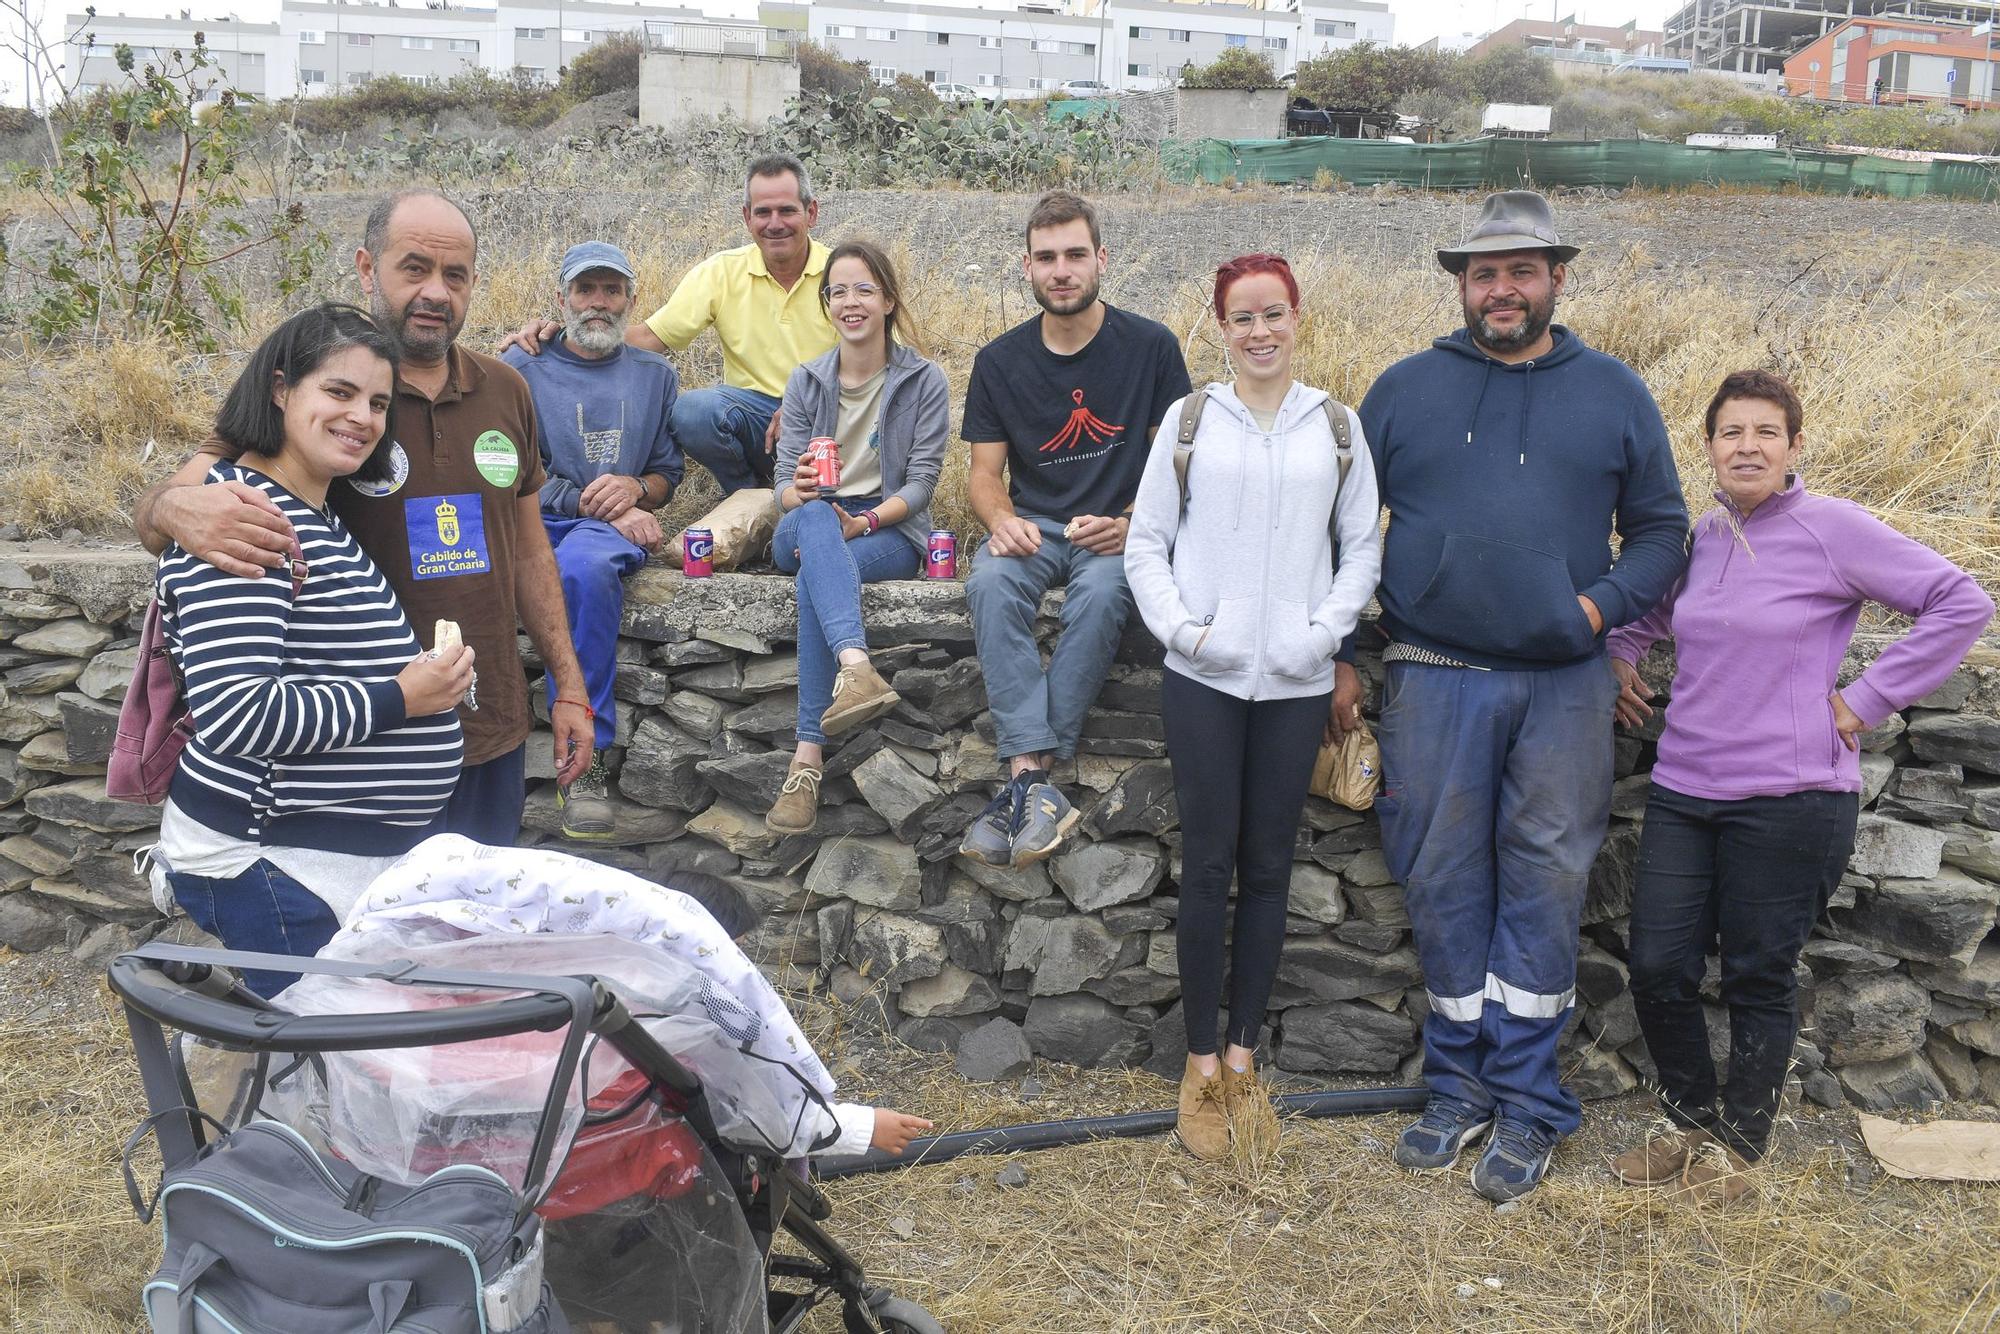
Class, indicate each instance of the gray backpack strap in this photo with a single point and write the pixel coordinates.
(1191, 407)
(1343, 439)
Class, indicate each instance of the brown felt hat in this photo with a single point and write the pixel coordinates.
(1511, 220)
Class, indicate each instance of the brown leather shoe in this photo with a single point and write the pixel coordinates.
(796, 810)
(1204, 1120)
(1661, 1159)
(1716, 1175)
(859, 695)
(1253, 1123)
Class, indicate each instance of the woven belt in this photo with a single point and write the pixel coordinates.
(1428, 657)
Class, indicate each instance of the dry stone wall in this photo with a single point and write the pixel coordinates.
(1074, 959)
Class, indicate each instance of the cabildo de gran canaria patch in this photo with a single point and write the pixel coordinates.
(447, 536)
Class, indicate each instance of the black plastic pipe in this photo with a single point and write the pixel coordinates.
(1084, 1129)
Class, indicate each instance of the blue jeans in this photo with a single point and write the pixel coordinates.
(1752, 876)
(487, 803)
(264, 911)
(830, 573)
(1496, 795)
(592, 559)
(1036, 710)
(722, 428)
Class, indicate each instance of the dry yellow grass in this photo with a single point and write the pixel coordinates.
(1136, 1236)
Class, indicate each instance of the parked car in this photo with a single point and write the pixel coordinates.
(958, 94)
(1086, 88)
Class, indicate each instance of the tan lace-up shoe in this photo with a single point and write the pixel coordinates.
(1716, 1175)
(1204, 1121)
(796, 810)
(859, 695)
(1253, 1122)
(1662, 1158)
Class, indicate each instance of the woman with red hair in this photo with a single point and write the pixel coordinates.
(1232, 567)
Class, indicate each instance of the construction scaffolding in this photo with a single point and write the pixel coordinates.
(1752, 37)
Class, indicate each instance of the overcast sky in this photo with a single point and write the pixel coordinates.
(1416, 20)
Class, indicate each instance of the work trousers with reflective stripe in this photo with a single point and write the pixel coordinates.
(1496, 794)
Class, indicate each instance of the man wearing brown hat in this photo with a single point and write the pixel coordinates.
(1507, 454)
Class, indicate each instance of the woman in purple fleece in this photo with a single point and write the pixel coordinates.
(1755, 795)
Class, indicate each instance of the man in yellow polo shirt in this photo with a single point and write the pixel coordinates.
(762, 300)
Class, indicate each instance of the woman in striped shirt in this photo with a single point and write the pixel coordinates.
(325, 740)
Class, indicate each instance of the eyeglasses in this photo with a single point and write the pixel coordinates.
(832, 294)
(1243, 322)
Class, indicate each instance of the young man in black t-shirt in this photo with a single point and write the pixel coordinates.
(1067, 403)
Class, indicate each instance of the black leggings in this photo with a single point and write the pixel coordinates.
(1240, 773)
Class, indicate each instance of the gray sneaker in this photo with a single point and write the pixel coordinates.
(586, 806)
(1046, 819)
(989, 840)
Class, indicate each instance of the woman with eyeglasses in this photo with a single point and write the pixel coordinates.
(1233, 569)
(888, 408)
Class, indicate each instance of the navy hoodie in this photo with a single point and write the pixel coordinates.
(1503, 484)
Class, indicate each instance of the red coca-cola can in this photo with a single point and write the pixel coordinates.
(824, 451)
(698, 553)
(941, 556)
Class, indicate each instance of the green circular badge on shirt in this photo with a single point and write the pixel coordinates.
(496, 458)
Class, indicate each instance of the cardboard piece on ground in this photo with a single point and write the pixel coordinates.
(1934, 1150)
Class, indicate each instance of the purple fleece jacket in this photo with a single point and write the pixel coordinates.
(1760, 623)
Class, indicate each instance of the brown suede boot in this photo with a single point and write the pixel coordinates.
(796, 810)
(859, 695)
(1253, 1123)
(1204, 1121)
(1716, 1175)
(1662, 1158)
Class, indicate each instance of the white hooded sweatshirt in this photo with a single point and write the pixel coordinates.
(1240, 586)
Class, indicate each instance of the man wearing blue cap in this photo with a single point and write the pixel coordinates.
(605, 411)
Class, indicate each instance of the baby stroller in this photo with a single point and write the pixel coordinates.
(363, 1152)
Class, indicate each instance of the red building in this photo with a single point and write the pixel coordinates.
(1911, 60)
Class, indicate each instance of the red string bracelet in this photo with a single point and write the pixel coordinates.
(588, 712)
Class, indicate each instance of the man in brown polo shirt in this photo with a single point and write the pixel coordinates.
(456, 528)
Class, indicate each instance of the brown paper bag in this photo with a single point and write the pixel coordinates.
(742, 524)
(1348, 772)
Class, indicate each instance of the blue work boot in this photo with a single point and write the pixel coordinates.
(989, 840)
(1434, 1140)
(1046, 819)
(1515, 1161)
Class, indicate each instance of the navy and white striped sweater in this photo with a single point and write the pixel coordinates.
(300, 735)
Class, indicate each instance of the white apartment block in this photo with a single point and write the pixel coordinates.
(320, 46)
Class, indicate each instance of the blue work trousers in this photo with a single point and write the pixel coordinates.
(592, 559)
(1037, 710)
(722, 428)
(1495, 799)
(830, 572)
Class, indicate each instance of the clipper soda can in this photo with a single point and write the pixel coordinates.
(824, 451)
(697, 552)
(941, 556)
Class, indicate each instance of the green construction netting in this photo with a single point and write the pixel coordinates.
(1617, 163)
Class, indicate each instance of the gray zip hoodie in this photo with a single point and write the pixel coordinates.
(1240, 586)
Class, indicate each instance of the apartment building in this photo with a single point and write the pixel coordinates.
(1910, 61)
(1757, 37)
(1029, 50)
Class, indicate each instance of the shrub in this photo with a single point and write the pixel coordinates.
(1367, 77)
(1509, 74)
(610, 66)
(1236, 67)
(822, 71)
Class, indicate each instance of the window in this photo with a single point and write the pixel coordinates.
(576, 34)
(1276, 43)
(251, 59)
(881, 34)
(530, 34)
(416, 43)
(1140, 71)
(357, 77)
(842, 30)
(1044, 83)
(882, 73)
(1179, 35)
(937, 38)
(1045, 44)
(1079, 48)
(308, 37)
(1136, 31)
(989, 43)
(1333, 28)
(991, 81)
(539, 73)
(935, 76)
(1236, 39)
(465, 44)
(312, 76)
(360, 39)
